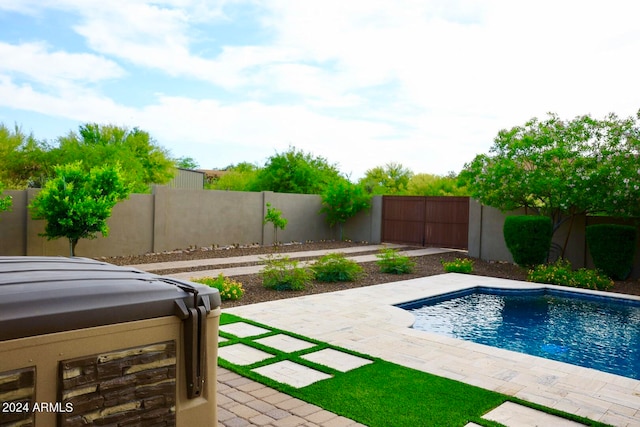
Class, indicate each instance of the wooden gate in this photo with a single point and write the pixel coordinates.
(426, 221)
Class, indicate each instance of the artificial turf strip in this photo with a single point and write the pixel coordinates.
(383, 393)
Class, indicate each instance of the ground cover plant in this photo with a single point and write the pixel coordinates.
(561, 273)
(391, 261)
(335, 267)
(230, 289)
(458, 265)
(380, 393)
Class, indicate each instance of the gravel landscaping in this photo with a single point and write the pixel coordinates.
(427, 265)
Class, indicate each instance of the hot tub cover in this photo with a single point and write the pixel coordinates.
(41, 295)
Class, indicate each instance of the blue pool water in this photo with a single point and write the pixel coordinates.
(594, 332)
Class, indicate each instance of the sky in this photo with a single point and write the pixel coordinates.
(363, 83)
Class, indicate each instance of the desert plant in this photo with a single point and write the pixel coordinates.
(390, 261)
(335, 267)
(229, 289)
(458, 265)
(612, 248)
(561, 273)
(284, 274)
(274, 216)
(528, 238)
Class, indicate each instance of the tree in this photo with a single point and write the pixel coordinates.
(561, 168)
(424, 184)
(142, 161)
(392, 178)
(186, 163)
(5, 201)
(24, 161)
(76, 204)
(274, 216)
(295, 172)
(342, 200)
(241, 177)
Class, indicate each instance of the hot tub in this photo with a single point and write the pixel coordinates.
(87, 343)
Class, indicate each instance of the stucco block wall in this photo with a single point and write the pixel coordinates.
(170, 219)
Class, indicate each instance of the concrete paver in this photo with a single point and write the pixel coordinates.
(285, 343)
(337, 360)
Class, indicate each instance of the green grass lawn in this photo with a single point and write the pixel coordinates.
(382, 393)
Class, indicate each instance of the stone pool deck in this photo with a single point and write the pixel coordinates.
(364, 320)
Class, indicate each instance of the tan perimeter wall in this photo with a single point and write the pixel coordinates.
(486, 240)
(173, 218)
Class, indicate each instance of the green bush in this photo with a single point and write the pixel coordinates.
(528, 238)
(561, 273)
(229, 289)
(458, 265)
(390, 261)
(336, 268)
(284, 274)
(612, 248)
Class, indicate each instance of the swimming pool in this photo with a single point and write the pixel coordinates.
(590, 331)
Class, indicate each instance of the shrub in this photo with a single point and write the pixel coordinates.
(229, 289)
(284, 274)
(528, 238)
(561, 273)
(612, 248)
(390, 261)
(336, 268)
(458, 265)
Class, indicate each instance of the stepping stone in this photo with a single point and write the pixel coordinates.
(290, 373)
(240, 354)
(285, 343)
(242, 330)
(222, 339)
(337, 360)
(514, 415)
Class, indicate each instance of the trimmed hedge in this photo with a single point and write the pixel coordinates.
(528, 238)
(612, 248)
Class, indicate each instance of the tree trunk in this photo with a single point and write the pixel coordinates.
(72, 246)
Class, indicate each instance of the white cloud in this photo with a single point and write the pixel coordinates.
(35, 62)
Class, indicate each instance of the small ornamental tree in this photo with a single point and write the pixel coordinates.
(341, 201)
(77, 204)
(274, 216)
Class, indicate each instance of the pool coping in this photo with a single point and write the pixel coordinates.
(366, 320)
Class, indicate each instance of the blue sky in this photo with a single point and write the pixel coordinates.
(424, 83)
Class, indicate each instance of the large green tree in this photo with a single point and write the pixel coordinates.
(295, 171)
(77, 204)
(143, 162)
(561, 168)
(24, 161)
(5, 201)
(424, 184)
(240, 177)
(390, 179)
(342, 200)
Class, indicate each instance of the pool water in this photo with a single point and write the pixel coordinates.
(593, 332)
